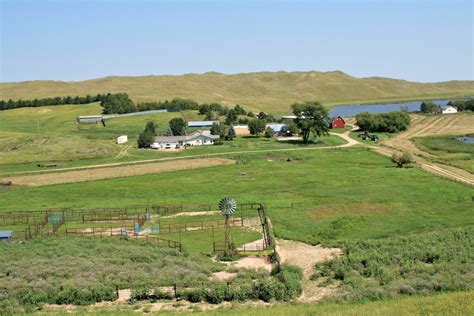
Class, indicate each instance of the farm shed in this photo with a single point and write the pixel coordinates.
(338, 122)
(241, 130)
(89, 119)
(201, 124)
(122, 139)
(6, 235)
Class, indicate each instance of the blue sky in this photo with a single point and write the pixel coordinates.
(424, 41)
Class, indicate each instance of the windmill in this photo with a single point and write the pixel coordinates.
(227, 206)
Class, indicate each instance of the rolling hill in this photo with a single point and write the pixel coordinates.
(268, 91)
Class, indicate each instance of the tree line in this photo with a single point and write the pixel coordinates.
(391, 122)
(15, 104)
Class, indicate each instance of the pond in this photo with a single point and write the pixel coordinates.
(353, 109)
(466, 139)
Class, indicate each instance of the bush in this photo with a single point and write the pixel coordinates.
(196, 295)
(216, 295)
(402, 159)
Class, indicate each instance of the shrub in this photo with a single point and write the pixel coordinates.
(402, 159)
(196, 295)
(216, 295)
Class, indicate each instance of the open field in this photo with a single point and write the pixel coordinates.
(267, 91)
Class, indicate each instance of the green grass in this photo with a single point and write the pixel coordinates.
(199, 243)
(344, 194)
(448, 150)
(268, 91)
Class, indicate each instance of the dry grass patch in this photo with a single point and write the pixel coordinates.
(325, 211)
(115, 172)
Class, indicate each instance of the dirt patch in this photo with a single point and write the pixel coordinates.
(222, 276)
(115, 172)
(324, 211)
(252, 263)
(306, 257)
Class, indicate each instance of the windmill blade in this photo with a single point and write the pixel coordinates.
(227, 206)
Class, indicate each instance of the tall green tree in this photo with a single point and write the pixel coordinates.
(256, 126)
(230, 133)
(311, 117)
(269, 132)
(178, 126)
(147, 137)
(231, 117)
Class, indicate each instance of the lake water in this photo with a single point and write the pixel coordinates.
(353, 109)
(466, 139)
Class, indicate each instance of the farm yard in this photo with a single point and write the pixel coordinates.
(339, 212)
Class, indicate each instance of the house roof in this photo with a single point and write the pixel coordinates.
(186, 138)
(445, 107)
(276, 127)
(338, 117)
(5, 234)
(201, 123)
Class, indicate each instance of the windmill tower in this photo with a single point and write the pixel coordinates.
(227, 206)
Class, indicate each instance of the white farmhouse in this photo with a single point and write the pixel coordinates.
(197, 138)
(448, 109)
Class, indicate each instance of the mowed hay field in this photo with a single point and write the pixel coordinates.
(115, 172)
(337, 194)
(261, 91)
(432, 127)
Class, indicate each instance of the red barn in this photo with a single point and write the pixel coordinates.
(338, 122)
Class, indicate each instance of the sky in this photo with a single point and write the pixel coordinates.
(72, 40)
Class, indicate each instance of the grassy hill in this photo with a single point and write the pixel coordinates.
(269, 91)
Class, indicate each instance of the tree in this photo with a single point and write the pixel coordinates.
(256, 126)
(231, 117)
(117, 103)
(230, 133)
(178, 126)
(293, 128)
(428, 107)
(219, 129)
(269, 132)
(402, 159)
(262, 116)
(392, 122)
(147, 137)
(239, 110)
(169, 132)
(150, 127)
(311, 117)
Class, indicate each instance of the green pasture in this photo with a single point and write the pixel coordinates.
(448, 150)
(338, 194)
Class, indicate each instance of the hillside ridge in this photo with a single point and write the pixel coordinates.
(268, 91)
